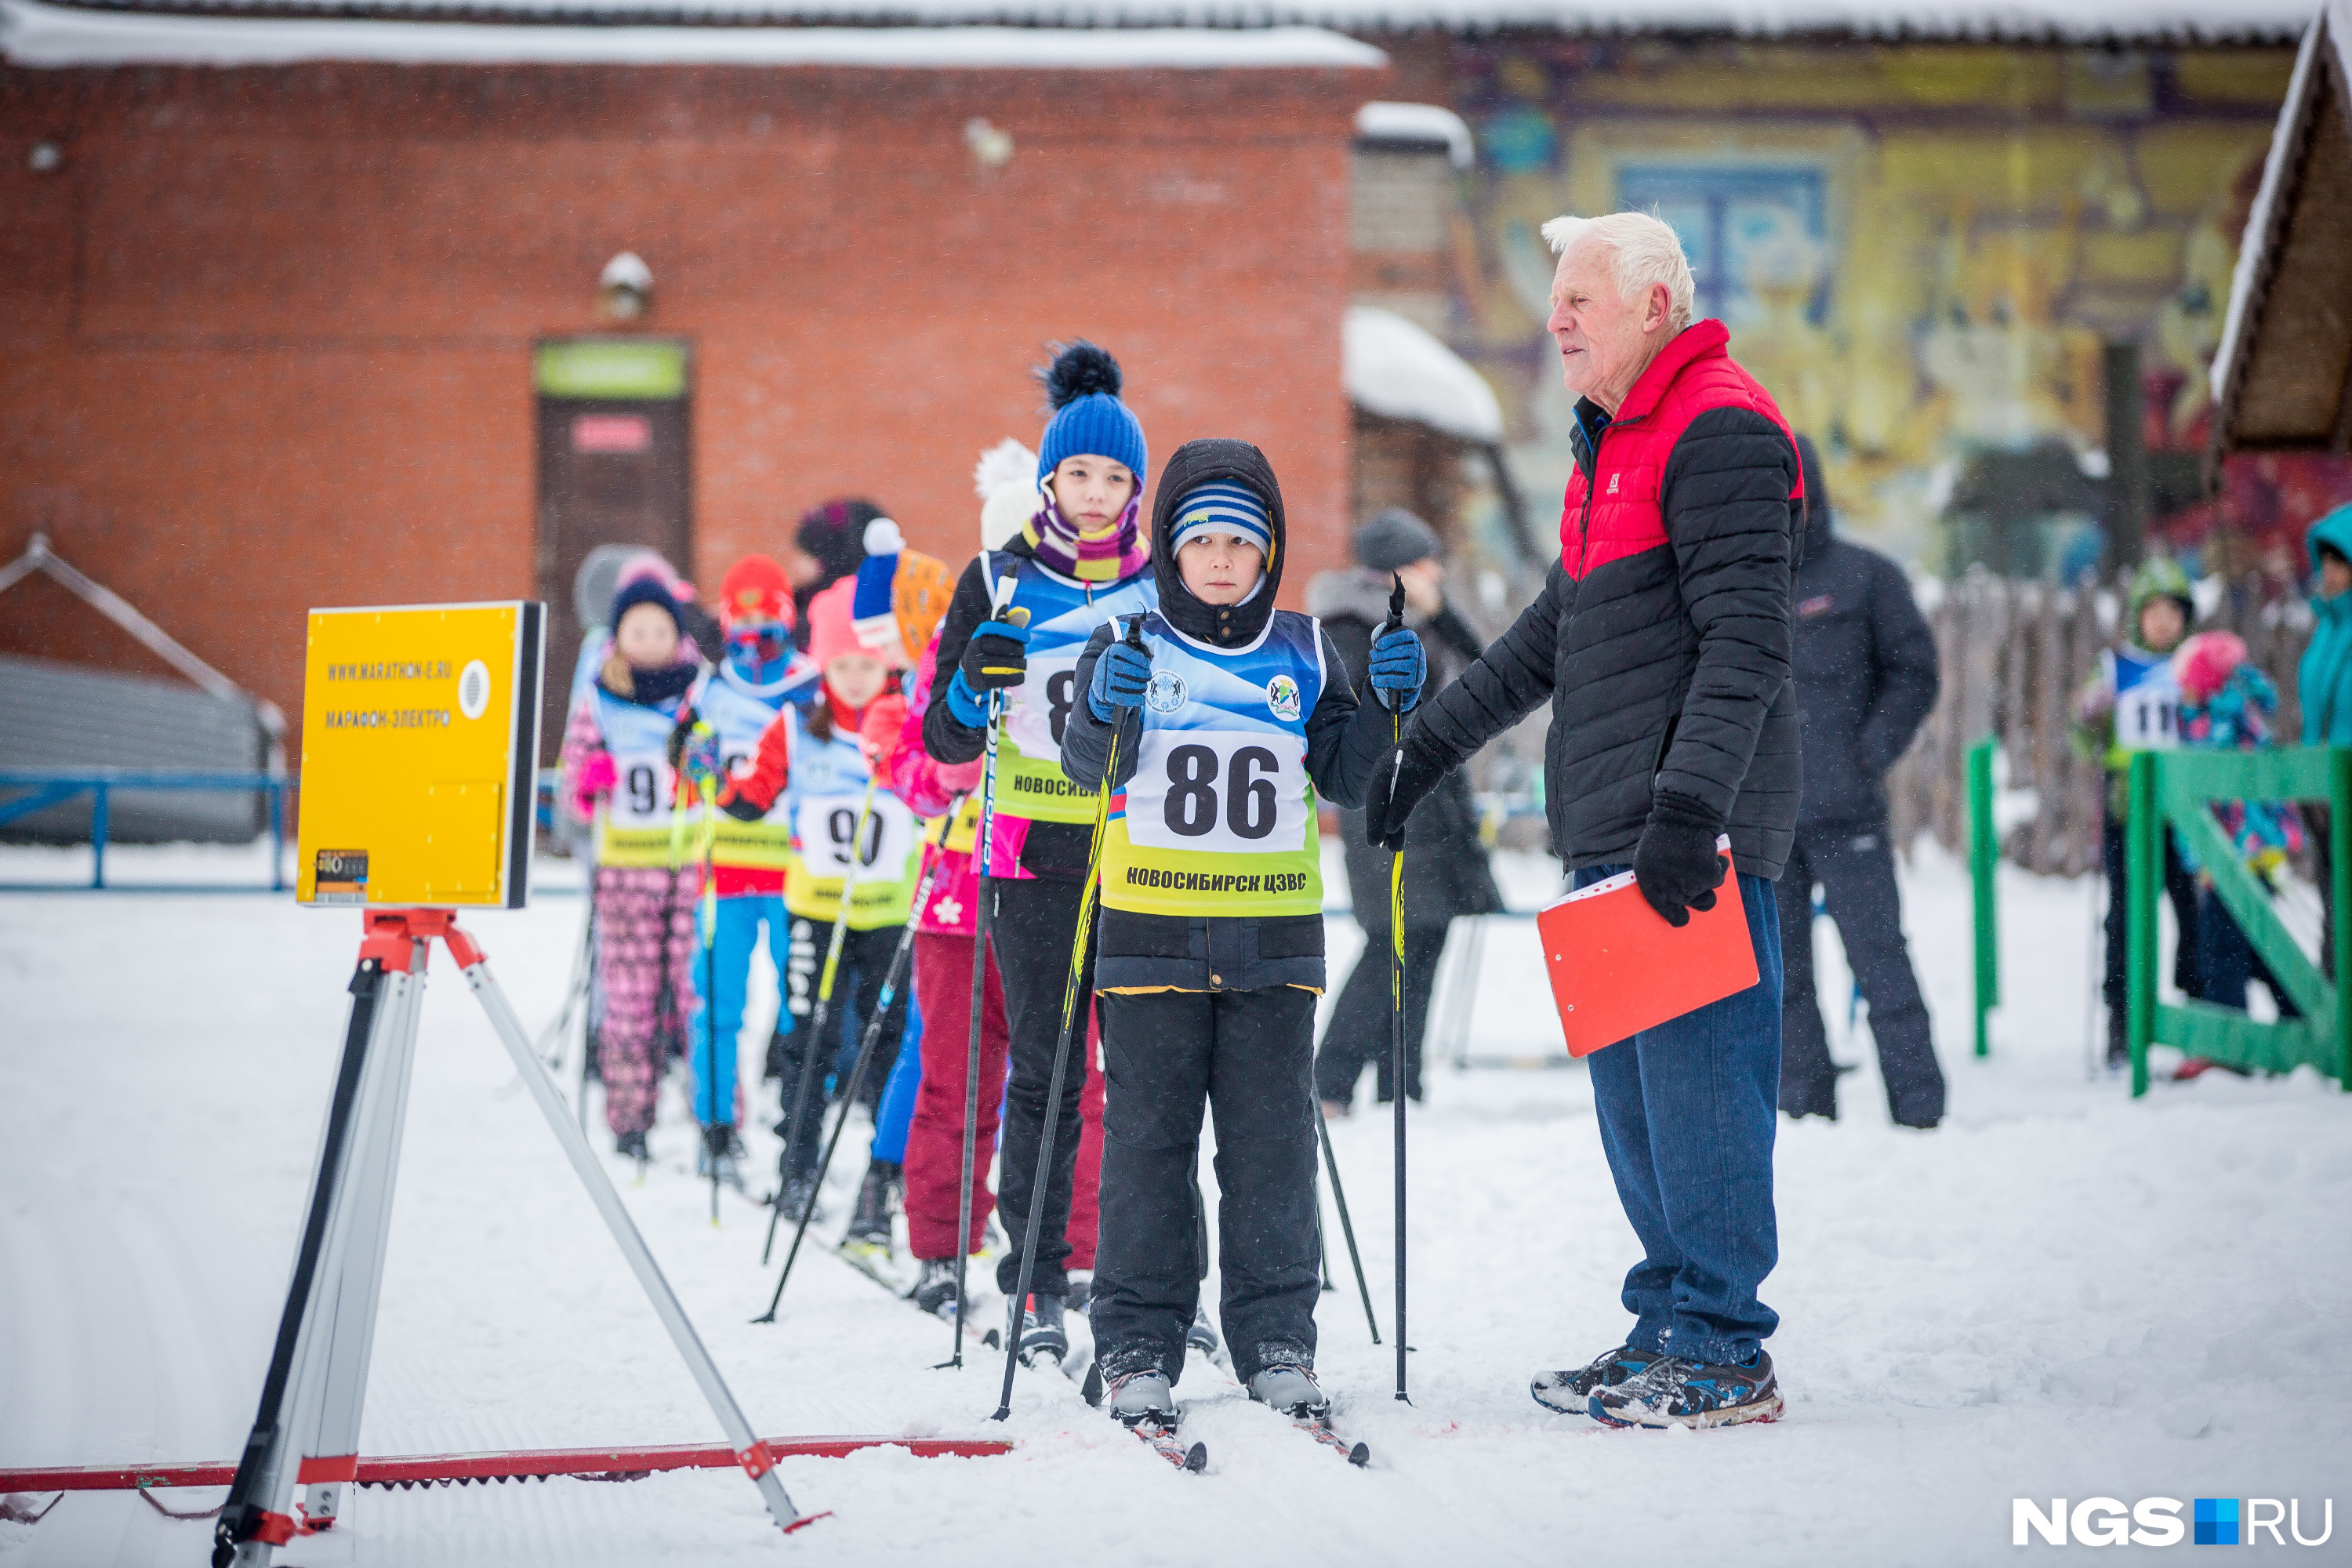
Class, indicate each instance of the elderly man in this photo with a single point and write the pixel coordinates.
(1662, 640)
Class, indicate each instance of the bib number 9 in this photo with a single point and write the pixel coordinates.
(641, 795)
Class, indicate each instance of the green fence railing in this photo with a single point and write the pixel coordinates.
(2176, 789)
(1984, 859)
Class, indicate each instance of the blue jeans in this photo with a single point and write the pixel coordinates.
(1687, 1116)
(729, 971)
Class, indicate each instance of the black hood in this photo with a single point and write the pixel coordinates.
(1818, 515)
(1197, 463)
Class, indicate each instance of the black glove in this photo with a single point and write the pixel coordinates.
(1676, 865)
(997, 657)
(1395, 792)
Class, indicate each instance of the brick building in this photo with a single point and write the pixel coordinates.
(307, 311)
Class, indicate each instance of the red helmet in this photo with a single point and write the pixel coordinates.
(755, 589)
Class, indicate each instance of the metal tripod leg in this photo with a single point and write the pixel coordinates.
(328, 1427)
(258, 1515)
(750, 1451)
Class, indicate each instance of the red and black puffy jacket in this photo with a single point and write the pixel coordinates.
(1661, 635)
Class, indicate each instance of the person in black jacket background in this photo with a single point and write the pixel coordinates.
(1865, 668)
(1450, 874)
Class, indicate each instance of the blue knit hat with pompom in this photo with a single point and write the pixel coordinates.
(1082, 384)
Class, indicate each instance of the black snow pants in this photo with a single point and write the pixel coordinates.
(2179, 887)
(857, 993)
(1856, 871)
(1246, 1056)
(1032, 925)
(1358, 1030)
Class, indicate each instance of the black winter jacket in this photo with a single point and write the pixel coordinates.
(1446, 872)
(1055, 849)
(1344, 745)
(1660, 666)
(1865, 668)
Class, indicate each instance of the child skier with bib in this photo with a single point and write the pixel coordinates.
(818, 763)
(1080, 560)
(1234, 721)
(760, 671)
(617, 774)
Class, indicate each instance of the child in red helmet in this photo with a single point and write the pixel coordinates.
(758, 673)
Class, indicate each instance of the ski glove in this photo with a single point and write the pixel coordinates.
(1395, 792)
(596, 778)
(1676, 865)
(1121, 675)
(1398, 667)
(996, 657)
(694, 753)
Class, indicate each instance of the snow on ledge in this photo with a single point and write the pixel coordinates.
(38, 36)
(1416, 122)
(2332, 20)
(1394, 368)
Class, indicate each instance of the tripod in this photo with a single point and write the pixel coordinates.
(307, 1431)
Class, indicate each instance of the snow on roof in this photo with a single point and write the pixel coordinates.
(1394, 368)
(34, 34)
(2274, 21)
(2333, 20)
(1428, 122)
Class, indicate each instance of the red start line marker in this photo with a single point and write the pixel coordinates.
(517, 1464)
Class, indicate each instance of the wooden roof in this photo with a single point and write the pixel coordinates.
(2279, 375)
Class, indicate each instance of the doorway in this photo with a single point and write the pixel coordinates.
(614, 433)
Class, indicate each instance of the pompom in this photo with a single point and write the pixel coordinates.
(1080, 370)
(883, 538)
(1007, 462)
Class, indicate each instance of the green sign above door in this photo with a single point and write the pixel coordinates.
(611, 367)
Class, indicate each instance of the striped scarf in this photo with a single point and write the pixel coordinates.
(1115, 555)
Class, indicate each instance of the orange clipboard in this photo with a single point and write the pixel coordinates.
(1617, 968)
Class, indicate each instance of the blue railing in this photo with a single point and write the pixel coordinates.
(53, 786)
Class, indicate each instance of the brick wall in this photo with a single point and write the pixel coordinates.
(264, 335)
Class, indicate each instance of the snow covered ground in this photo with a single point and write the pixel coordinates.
(2061, 1293)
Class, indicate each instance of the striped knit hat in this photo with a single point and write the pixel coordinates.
(1222, 507)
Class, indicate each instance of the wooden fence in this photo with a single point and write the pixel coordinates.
(2014, 655)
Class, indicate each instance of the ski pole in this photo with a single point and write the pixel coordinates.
(590, 1041)
(1078, 945)
(982, 859)
(811, 1053)
(1347, 1226)
(709, 923)
(857, 1079)
(1396, 978)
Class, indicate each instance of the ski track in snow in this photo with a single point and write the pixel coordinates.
(2060, 1293)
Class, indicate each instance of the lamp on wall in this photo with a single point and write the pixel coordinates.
(991, 144)
(625, 290)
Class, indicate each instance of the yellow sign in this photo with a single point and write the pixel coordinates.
(420, 743)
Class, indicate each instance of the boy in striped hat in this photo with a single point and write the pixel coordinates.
(1234, 721)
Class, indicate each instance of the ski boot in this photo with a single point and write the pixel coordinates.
(935, 1288)
(1142, 1399)
(1042, 1332)
(870, 1226)
(632, 1146)
(1293, 1391)
(794, 1198)
(723, 1147)
(1082, 1290)
(1570, 1391)
(1201, 1336)
(1673, 1391)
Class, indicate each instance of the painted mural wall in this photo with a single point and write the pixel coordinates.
(1920, 249)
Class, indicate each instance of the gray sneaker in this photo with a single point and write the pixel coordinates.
(1141, 1399)
(1291, 1390)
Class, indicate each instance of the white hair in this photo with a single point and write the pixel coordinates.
(1643, 251)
